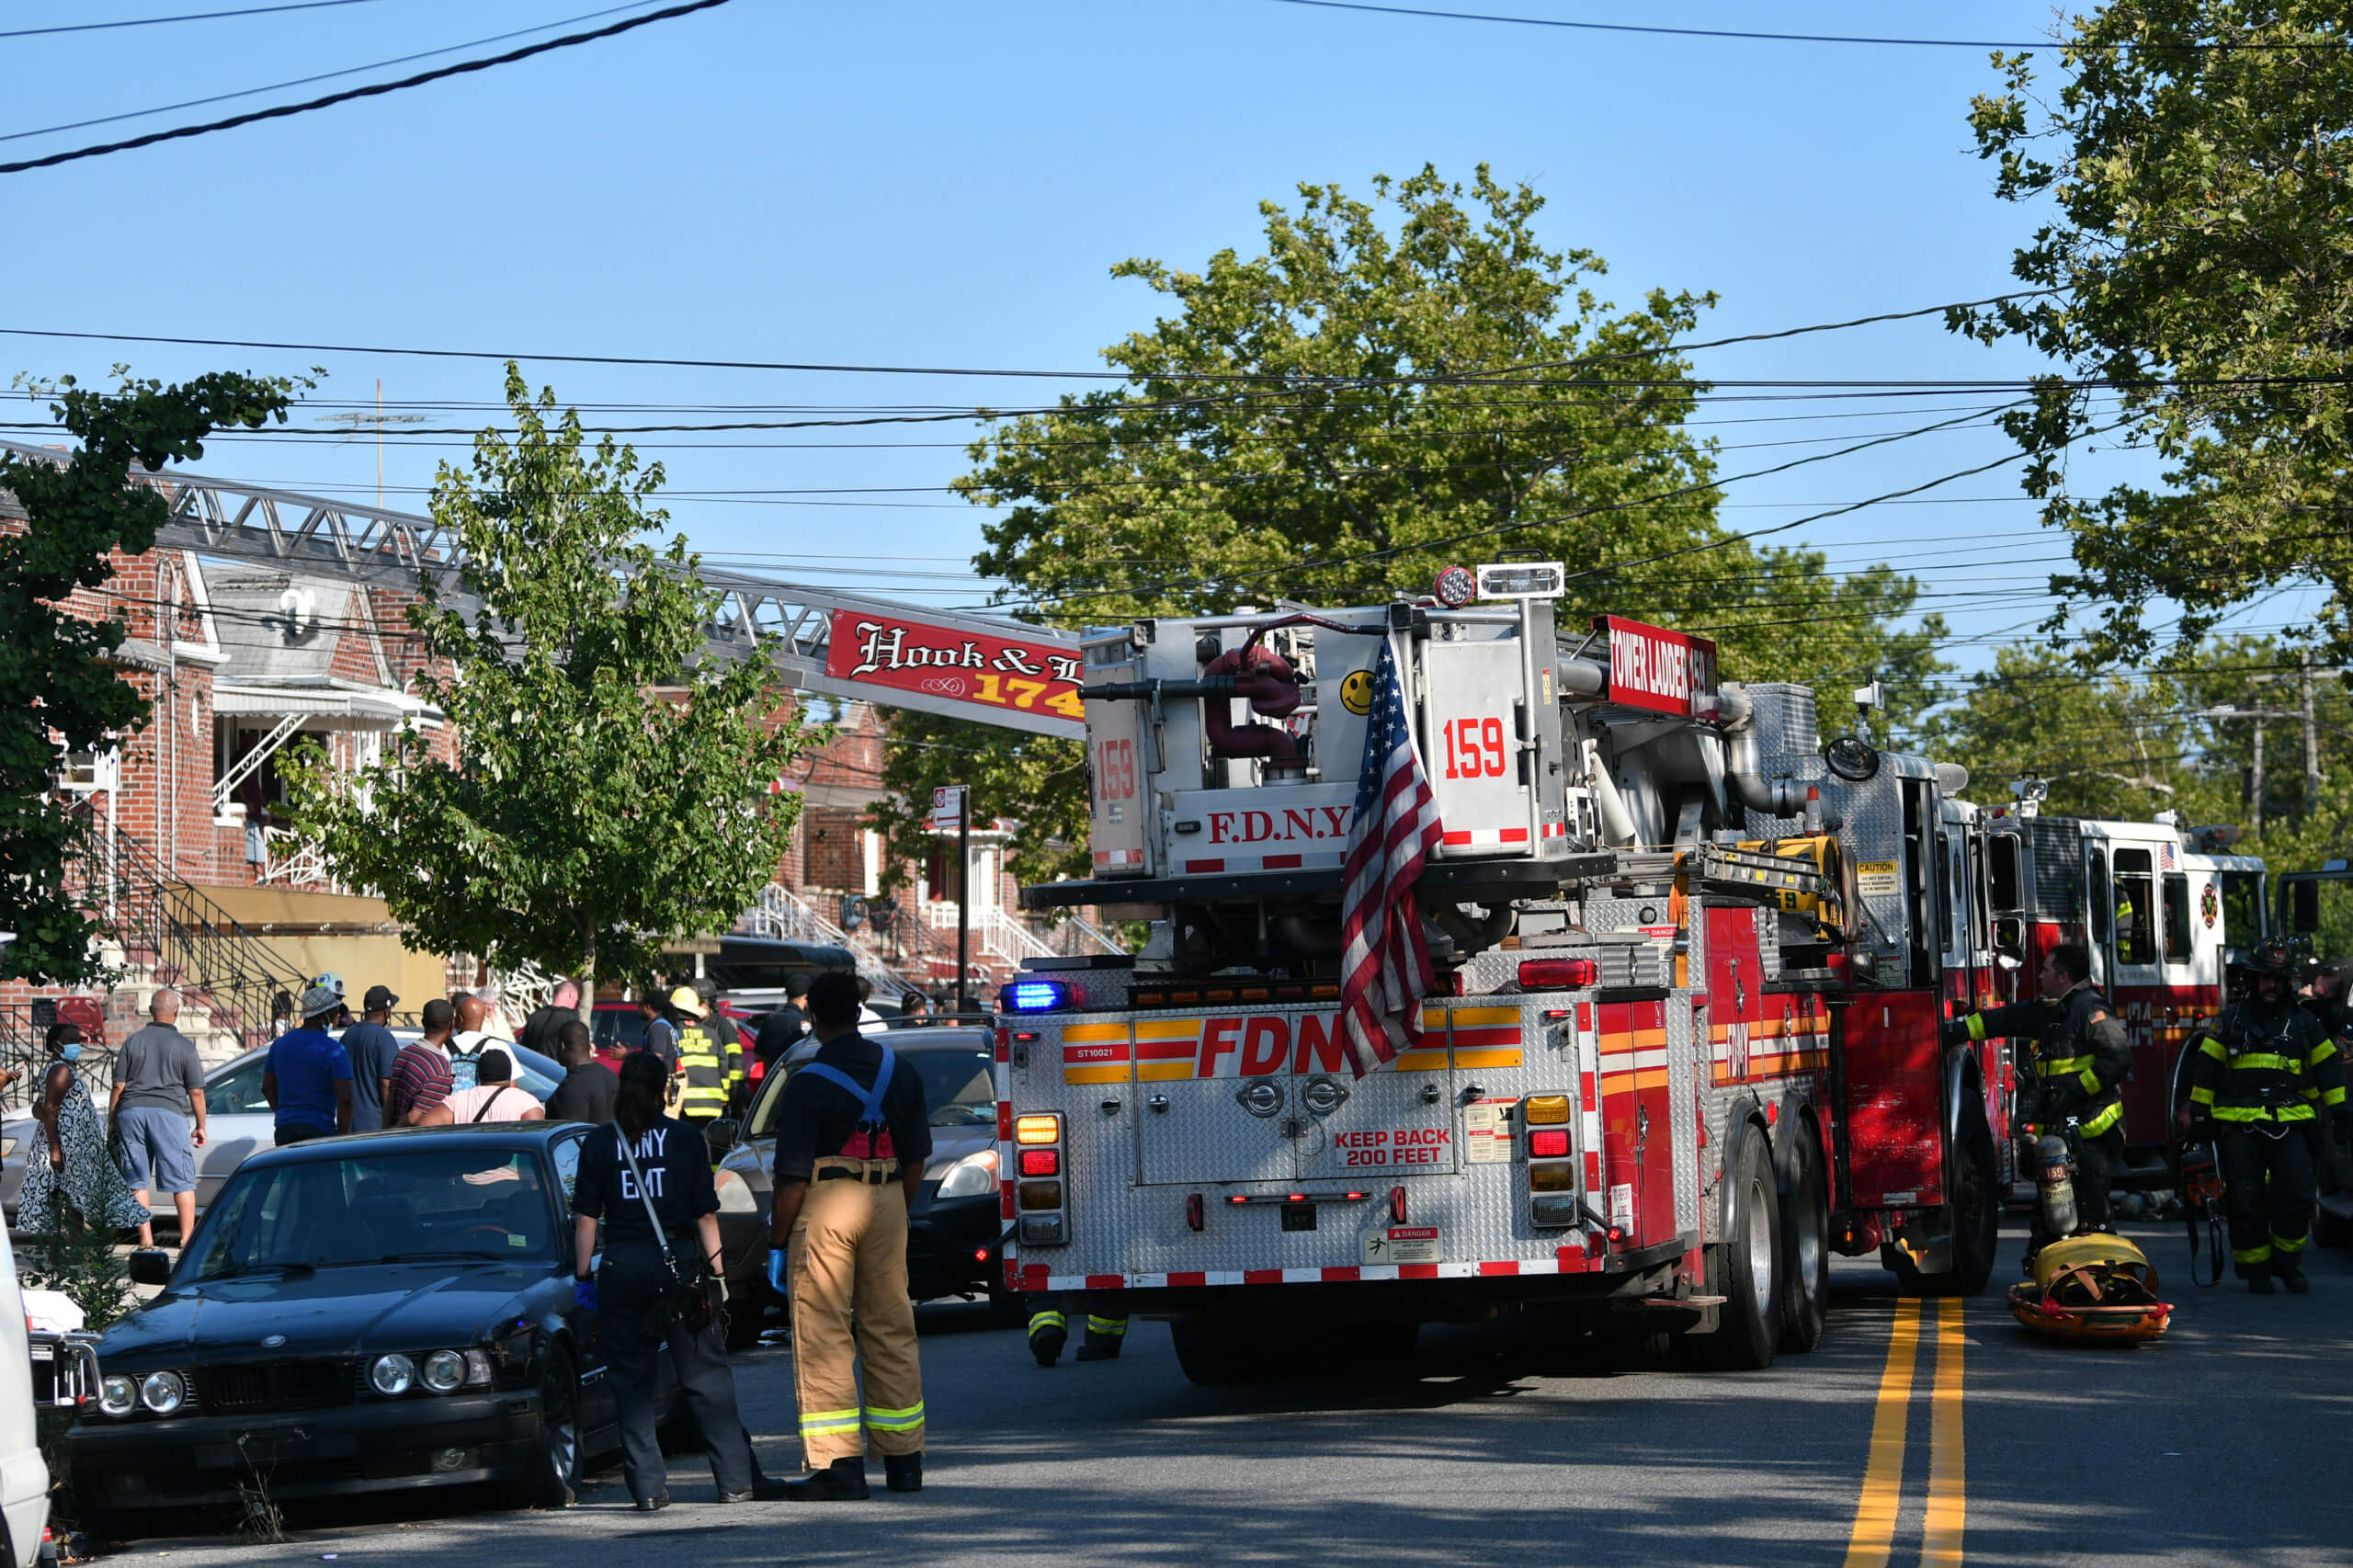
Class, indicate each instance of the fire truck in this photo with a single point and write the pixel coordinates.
(1684, 1045)
(2162, 908)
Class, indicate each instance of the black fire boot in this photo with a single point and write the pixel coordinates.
(903, 1472)
(843, 1481)
(2291, 1275)
(1048, 1337)
(2259, 1284)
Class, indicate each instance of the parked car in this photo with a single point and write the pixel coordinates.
(383, 1312)
(24, 1476)
(954, 1231)
(237, 1121)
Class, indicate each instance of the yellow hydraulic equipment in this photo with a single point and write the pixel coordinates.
(2089, 1289)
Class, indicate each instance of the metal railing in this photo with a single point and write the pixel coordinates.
(171, 934)
(783, 915)
(290, 860)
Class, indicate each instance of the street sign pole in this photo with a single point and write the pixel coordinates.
(963, 887)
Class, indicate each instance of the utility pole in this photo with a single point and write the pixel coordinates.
(2255, 780)
(963, 889)
(2311, 730)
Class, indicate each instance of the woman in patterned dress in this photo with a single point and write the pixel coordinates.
(79, 1177)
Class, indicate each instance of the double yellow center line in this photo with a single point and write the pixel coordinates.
(1873, 1537)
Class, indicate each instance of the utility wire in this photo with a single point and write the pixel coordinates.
(373, 90)
(321, 76)
(1781, 38)
(185, 16)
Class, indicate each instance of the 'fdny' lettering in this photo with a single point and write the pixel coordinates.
(1295, 824)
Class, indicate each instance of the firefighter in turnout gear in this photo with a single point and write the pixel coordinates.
(1050, 1331)
(710, 1073)
(2080, 1054)
(2267, 1069)
(852, 1137)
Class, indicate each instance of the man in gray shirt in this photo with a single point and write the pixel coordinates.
(158, 1113)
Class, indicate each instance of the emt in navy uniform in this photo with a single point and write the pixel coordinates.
(852, 1137)
(666, 1165)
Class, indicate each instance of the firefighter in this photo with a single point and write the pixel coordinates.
(2080, 1055)
(852, 1137)
(1050, 1331)
(709, 1069)
(2267, 1069)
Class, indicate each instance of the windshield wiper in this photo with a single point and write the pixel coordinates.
(240, 1270)
(433, 1255)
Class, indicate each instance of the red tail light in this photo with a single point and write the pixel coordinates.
(1397, 1205)
(1041, 1162)
(1195, 1219)
(1542, 1145)
(1558, 974)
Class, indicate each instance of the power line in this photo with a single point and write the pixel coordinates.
(185, 16)
(1775, 37)
(321, 76)
(373, 90)
(1220, 376)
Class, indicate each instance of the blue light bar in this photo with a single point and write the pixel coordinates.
(1034, 996)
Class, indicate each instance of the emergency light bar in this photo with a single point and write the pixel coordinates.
(1523, 580)
(1034, 996)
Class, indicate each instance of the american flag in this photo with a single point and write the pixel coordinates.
(1385, 964)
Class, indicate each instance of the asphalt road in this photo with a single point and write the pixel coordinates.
(2221, 1442)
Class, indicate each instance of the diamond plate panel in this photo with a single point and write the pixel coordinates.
(1206, 1135)
(1682, 1099)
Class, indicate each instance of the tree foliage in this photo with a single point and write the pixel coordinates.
(64, 688)
(611, 784)
(2199, 162)
(1395, 386)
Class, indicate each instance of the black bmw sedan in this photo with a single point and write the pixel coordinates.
(371, 1313)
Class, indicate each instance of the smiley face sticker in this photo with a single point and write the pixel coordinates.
(1356, 692)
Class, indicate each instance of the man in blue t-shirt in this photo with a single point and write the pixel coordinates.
(369, 1047)
(308, 1077)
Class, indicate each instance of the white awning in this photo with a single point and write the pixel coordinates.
(336, 705)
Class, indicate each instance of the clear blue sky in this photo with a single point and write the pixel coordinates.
(932, 184)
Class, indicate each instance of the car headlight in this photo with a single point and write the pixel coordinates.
(734, 1194)
(118, 1395)
(392, 1374)
(162, 1393)
(444, 1371)
(7, 1147)
(974, 1175)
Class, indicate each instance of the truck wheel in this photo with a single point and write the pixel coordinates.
(1214, 1350)
(1805, 1245)
(1976, 1221)
(1743, 1268)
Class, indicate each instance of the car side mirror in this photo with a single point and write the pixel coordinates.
(151, 1266)
(722, 1133)
(2009, 937)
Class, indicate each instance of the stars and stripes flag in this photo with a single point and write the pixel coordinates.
(1385, 963)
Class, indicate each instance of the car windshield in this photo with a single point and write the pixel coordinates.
(957, 1084)
(378, 1206)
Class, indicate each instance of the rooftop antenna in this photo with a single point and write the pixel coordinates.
(378, 420)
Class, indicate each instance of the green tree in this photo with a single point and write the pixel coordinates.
(2198, 162)
(57, 668)
(612, 783)
(1392, 387)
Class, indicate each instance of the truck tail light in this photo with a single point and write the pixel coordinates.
(1196, 1213)
(1553, 1145)
(1397, 1205)
(1548, 1179)
(1049, 1162)
(1545, 1110)
(1045, 1129)
(1035, 1195)
(1040, 1202)
(1559, 974)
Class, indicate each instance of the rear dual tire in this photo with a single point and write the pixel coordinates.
(1745, 1268)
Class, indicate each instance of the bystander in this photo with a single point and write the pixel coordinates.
(307, 1078)
(420, 1077)
(495, 1097)
(588, 1087)
(371, 1046)
(159, 1115)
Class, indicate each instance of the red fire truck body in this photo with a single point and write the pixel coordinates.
(1691, 964)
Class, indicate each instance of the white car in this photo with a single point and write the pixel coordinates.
(24, 1476)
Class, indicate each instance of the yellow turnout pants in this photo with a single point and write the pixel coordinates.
(850, 1309)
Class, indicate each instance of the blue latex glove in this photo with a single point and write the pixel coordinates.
(777, 1256)
(584, 1294)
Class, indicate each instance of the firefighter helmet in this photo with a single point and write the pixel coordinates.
(2273, 955)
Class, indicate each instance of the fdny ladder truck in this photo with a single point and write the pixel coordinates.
(1691, 965)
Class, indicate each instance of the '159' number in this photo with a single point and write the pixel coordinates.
(1474, 748)
(1115, 770)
